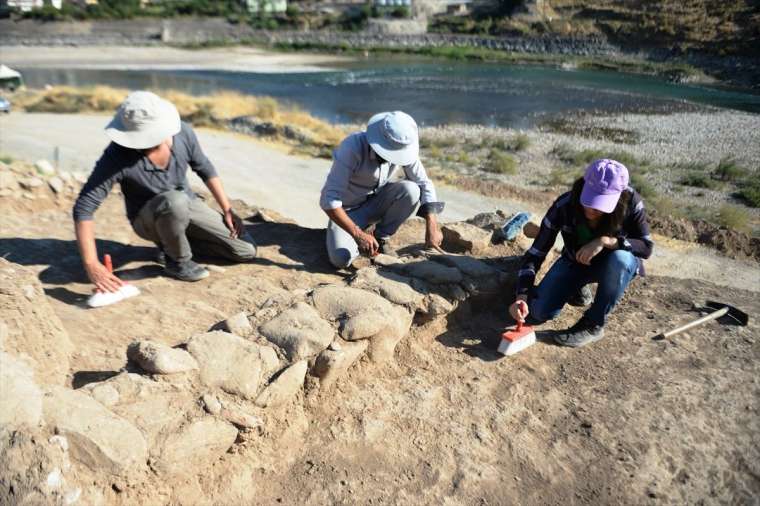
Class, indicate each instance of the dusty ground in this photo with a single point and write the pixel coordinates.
(448, 421)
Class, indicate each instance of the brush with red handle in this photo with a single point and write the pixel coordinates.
(517, 339)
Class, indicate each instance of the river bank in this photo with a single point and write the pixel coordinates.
(585, 52)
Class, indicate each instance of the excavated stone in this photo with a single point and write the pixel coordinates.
(468, 265)
(98, 438)
(105, 394)
(197, 444)
(299, 331)
(463, 237)
(431, 272)
(336, 302)
(364, 325)
(438, 306)
(228, 362)
(390, 285)
(383, 345)
(211, 404)
(31, 183)
(238, 324)
(44, 167)
(158, 414)
(385, 260)
(20, 397)
(157, 358)
(56, 184)
(332, 364)
(240, 418)
(284, 387)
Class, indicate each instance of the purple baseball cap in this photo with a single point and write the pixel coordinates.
(605, 181)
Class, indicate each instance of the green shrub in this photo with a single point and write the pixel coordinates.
(6, 159)
(729, 170)
(734, 217)
(699, 180)
(500, 163)
(644, 187)
(520, 142)
(750, 191)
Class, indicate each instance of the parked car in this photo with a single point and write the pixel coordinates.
(5, 105)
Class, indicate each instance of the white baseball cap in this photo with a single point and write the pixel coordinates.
(143, 120)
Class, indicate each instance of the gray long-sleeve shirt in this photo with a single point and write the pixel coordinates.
(140, 180)
(356, 174)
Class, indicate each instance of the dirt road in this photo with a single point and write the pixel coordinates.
(267, 176)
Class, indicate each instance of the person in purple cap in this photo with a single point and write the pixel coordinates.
(377, 179)
(606, 237)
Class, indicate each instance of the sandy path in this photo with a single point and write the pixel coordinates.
(266, 176)
(239, 59)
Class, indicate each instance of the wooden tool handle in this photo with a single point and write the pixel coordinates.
(700, 321)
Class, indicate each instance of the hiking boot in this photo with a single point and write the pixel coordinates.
(185, 271)
(582, 333)
(582, 297)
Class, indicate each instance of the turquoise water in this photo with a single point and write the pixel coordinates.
(433, 92)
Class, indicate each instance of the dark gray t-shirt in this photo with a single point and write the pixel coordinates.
(140, 180)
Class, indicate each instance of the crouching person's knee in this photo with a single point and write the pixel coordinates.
(341, 258)
(175, 204)
(244, 250)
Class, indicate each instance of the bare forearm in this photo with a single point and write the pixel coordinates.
(343, 220)
(214, 184)
(85, 231)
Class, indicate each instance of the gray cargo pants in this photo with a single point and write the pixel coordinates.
(176, 222)
(388, 209)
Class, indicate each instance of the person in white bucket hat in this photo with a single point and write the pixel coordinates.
(148, 157)
(377, 179)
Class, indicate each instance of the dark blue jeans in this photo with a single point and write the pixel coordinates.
(612, 269)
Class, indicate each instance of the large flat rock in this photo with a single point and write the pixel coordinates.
(20, 397)
(98, 438)
(299, 331)
(194, 446)
(229, 362)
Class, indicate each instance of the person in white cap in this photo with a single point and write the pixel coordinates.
(149, 154)
(377, 179)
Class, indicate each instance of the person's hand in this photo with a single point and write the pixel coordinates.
(233, 223)
(586, 253)
(103, 280)
(367, 243)
(433, 236)
(519, 310)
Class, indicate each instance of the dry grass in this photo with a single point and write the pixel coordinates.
(205, 110)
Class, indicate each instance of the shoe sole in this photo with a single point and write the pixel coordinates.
(190, 280)
(581, 345)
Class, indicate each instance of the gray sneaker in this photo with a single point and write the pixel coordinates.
(582, 297)
(385, 247)
(582, 333)
(185, 271)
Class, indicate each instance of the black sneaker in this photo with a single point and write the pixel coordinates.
(582, 333)
(185, 271)
(582, 297)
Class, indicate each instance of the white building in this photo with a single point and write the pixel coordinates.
(267, 5)
(27, 5)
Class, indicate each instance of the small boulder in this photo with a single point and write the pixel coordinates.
(56, 184)
(468, 265)
(383, 345)
(240, 418)
(105, 394)
(238, 324)
(229, 362)
(337, 302)
(44, 167)
(98, 438)
(199, 442)
(31, 183)
(20, 397)
(431, 272)
(284, 387)
(332, 364)
(462, 237)
(299, 331)
(211, 404)
(390, 285)
(157, 358)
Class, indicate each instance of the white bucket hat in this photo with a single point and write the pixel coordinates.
(393, 136)
(143, 120)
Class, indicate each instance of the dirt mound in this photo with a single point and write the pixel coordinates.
(732, 243)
